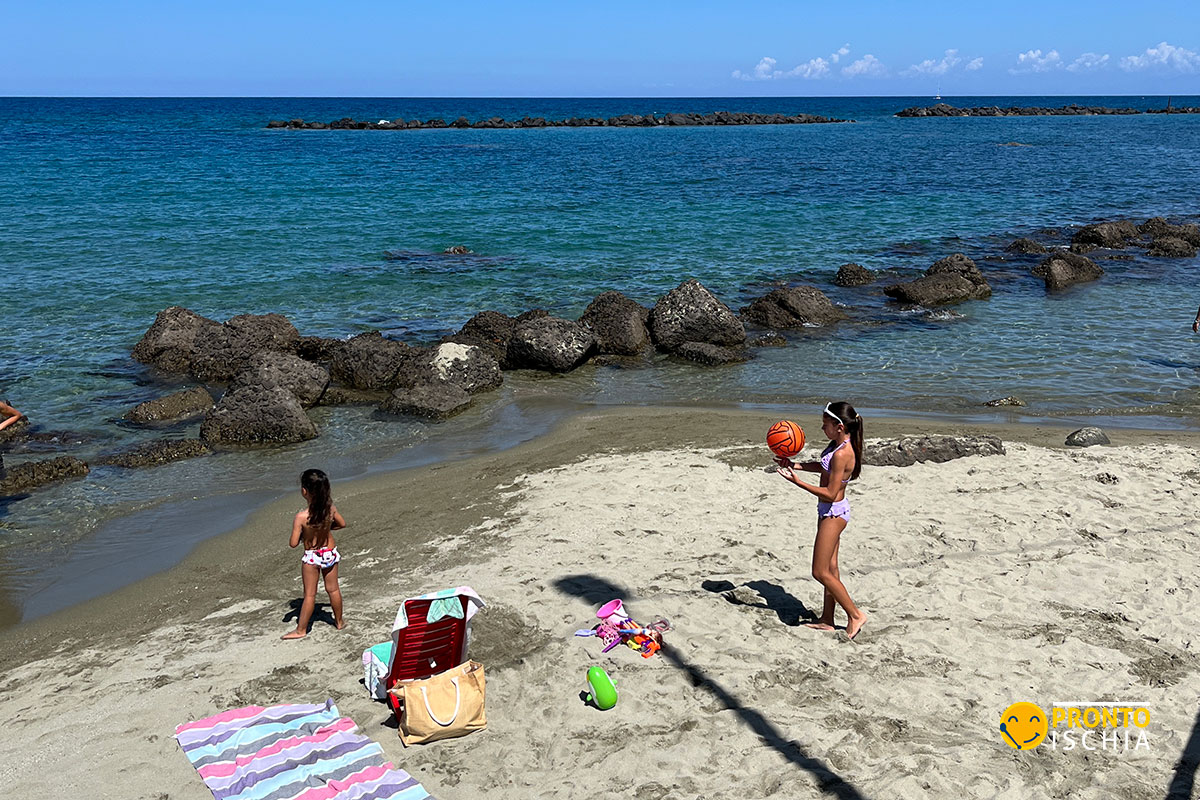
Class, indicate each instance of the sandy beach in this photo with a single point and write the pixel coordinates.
(1049, 574)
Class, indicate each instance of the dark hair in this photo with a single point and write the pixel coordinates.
(853, 424)
(320, 504)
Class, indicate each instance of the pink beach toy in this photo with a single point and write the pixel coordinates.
(612, 612)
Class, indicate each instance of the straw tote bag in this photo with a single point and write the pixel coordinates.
(446, 705)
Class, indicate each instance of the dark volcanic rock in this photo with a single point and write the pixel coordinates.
(304, 379)
(910, 450)
(1087, 437)
(792, 308)
(457, 250)
(219, 355)
(1064, 269)
(1159, 228)
(368, 361)
(711, 355)
(489, 330)
(951, 280)
(1071, 110)
(853, 275)
(1113, 235)
(151, 454)
(1025, 247)
(768, 340)
(467, 366)
(1005, 401)
(618, 323)
(254, 414)
(429, 400)
(690, 313)
(550, 343)
(180, 405)
(1171, 247)
(318, 348)
(32, 474)
(169, 342)
(343, 396)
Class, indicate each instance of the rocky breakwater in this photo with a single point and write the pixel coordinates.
(1072, 110)
(621, 121)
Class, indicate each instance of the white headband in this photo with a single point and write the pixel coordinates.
(835, 416)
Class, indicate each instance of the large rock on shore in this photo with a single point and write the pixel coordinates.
(691, 313)
(550, 343)
(469, 367)
(304, 379)
(853, 275)
(1087, 437)
(953, 279)
(1171, 247)
(33, 474)
(1113, 235)
(169, 341)
(318, 349)
(368, 361)
(618, 323)
(909, 450)
(796, 307)
(1065, 268)
(256, 414)
(490, 331)
(171, 408)
(219, 355)
(435, 401)
(152, 454)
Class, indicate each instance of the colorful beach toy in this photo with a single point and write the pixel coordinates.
(604, 692)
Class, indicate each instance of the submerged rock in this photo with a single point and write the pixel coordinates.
(173, 407)
(691, 313)
(1171, 247)
(1025, 247)
(909, 450)
(1065, 269)
(33, 474)
(711, 355)
(1159, 228)
(1005, 401)
(796, 307)
(1087, 437)
(151, 454)
(430, 401)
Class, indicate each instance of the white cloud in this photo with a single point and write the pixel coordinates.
(868, 66)
(974, 64)
(1034, 61)
(932, 66)
(812, 69)
(1163, 57)
(1088, 62)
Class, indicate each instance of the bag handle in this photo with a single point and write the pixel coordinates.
(457, 703)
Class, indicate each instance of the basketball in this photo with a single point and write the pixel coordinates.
(785, 438)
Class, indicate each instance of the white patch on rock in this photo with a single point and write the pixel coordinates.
(447, 354)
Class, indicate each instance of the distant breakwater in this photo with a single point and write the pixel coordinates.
(622, 121)
(946, 110)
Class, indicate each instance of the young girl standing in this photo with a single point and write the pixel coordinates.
(840, 462)
(314, 526)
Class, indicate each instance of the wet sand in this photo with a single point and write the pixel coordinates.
(988, 580)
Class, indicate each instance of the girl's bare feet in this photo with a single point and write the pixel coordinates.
(294, 635)
(341, 626)
(854, 626)
(820, 625)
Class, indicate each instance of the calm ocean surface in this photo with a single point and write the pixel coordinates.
(112, 209)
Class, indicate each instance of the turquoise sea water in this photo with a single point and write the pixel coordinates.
(111, 210)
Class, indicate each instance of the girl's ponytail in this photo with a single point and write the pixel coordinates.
(853, 423)
(320, 502)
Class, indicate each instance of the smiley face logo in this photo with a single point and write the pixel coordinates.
(1023, 726)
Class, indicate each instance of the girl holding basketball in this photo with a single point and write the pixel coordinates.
(840, 462)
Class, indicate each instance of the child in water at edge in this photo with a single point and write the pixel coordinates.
(314, 526)
(838, 465)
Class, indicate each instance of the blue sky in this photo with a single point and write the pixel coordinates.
(618, 48)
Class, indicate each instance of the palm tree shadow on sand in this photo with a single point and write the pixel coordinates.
(595, 591)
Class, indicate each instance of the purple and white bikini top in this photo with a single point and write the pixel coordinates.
(827, 457)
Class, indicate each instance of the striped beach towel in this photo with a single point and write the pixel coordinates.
(291, 752)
